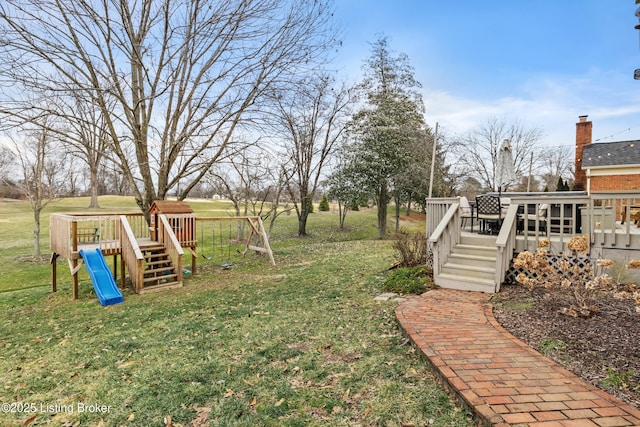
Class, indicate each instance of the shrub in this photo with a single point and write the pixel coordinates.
(411, 250)
(324, 204)
(408, 280)
(570, 275)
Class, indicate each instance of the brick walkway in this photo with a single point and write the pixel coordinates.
(503, 380)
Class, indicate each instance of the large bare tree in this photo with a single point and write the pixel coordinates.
(479, 149)
(185, 74)
(310, 120)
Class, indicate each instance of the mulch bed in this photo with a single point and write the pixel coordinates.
(603, 349)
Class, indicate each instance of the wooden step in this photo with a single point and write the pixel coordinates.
(464, 270)
(475, 250)
(161, 287)
(158, 262)
(470, 265)
(157, 269)
(156, 255)
(153, 247)
(465, 283)
(479, 260)
(158, 278)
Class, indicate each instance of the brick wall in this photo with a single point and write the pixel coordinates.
(615, 183)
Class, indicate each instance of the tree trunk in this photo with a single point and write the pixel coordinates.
(36, 232)
(303, 215)
(397, 214)
(383, 198)
(93, 204)
(342, 213)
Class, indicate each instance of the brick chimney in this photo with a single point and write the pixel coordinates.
(583, 137)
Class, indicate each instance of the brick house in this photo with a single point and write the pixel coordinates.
(610, 166)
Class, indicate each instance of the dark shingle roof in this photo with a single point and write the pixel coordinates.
(611, 154)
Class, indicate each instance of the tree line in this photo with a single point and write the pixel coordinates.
(235, 98)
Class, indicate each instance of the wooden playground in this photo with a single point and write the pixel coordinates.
(151, 253)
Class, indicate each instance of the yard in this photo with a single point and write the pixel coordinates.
(302, 343)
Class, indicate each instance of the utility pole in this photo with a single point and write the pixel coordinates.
(433, 158)
(636, 73)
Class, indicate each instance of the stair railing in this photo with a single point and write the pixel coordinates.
(445, 236)
(505, 244)
(131, 254)
(171, 244)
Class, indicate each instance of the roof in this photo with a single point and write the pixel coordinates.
(170, 206)
(623, 153)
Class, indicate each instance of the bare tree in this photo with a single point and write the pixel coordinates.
(310, 119)
(186, 75)
(241, 179)
(87, 137)
(554, 163)
(480, 146)
(253, 182)
(41, 166)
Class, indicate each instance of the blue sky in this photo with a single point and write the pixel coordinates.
(541, 62)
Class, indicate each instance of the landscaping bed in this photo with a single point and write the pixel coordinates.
(603, 349)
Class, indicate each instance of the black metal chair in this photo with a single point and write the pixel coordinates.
(489, 213)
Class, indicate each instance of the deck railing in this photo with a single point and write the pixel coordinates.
(445, 236)
(557, 216)
(610, 219)
(505, 244)
(436, 209)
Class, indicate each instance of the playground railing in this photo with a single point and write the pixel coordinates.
(131, 254)
(69, 232)
(184, 227)
(172, 244)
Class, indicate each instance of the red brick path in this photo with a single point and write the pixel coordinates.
(503, 380)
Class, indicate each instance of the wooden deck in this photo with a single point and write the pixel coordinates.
(607, 218)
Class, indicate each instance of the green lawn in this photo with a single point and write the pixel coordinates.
(299, 344)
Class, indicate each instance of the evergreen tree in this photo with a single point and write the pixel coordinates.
(384, 129)
(324, 204)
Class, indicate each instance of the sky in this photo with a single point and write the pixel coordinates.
(541, 63)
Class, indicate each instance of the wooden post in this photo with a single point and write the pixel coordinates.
(265, 240)
(74, 263)
(122, 272)
(54, 272)
(115, 267)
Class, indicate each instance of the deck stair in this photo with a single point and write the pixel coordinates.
(471, 265)
(159, 271)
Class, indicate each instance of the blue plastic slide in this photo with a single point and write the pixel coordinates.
(103, 283)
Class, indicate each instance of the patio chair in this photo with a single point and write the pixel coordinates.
(466, 211)
(529, 218)
(489, 213)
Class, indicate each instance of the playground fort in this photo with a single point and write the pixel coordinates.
(152, 253)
